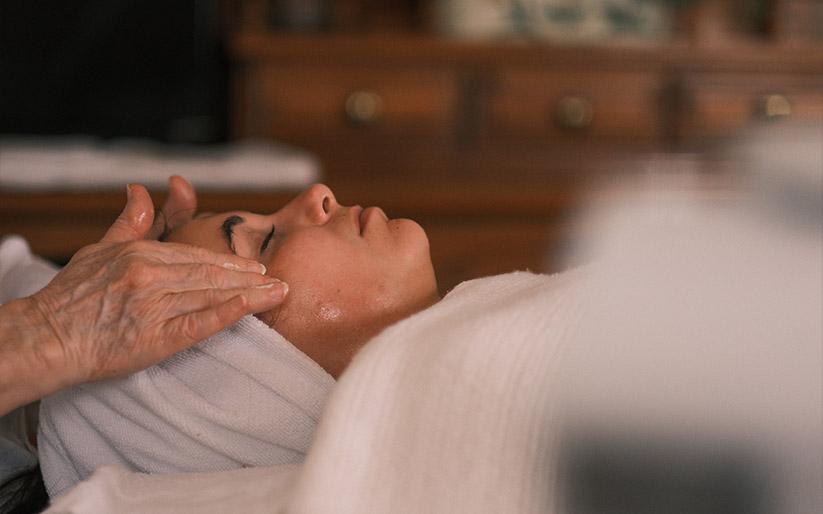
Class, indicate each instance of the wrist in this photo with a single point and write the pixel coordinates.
(32, 361)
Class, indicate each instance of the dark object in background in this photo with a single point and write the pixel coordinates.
(615, 476)
(112, 68)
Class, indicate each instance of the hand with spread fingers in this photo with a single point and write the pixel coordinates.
(126, 303)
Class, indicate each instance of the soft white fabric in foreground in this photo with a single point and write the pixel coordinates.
(451, 410)
(245, 397)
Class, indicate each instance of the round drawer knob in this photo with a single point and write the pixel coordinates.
(364, 107)
(774, 107)
(574, 112)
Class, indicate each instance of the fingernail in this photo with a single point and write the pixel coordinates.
(281, 291)
(256, 267)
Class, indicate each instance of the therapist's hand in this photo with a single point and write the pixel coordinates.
(178, 210)
(124, 304)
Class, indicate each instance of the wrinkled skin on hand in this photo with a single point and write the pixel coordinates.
(126, 303)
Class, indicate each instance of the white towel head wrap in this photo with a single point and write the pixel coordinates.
(245, 397)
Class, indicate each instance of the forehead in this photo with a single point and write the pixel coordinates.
(216, 218)
(203, 229)
(206, 215)
(202, 221)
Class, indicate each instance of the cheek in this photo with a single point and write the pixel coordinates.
(323, 310)
(341, 287)
(311, 264)
(321, 278)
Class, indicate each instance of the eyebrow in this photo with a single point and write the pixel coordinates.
(227, 229)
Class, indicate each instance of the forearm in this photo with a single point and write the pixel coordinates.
(30, 356)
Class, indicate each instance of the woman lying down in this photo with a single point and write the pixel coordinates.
(252, 395)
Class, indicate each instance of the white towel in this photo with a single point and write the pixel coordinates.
(449, 411)
(244, 398)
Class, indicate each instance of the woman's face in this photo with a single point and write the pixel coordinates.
(351, 271)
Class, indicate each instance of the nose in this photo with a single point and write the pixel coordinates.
(317, 204)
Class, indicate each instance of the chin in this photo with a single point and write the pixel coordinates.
(412, 233)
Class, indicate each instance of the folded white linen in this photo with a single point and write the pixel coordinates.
(243, 398)
(449, 411)
(21, 272)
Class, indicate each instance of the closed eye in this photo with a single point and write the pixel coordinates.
(266, 240)
(227, 228)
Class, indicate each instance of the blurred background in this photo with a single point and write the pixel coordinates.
(488, 121)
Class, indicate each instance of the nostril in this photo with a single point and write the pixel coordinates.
(326, 204)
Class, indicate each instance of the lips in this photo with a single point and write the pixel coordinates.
(361, 220)
(367, 214)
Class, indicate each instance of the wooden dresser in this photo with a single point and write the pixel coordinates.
(489, 145)
(492, 145)
(396, 104)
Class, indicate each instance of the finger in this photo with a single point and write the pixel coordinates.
(175, 253)
(136, 218)
(198, 276)
(196, 326)
(178, 209)
(261, 298)
(182, 198)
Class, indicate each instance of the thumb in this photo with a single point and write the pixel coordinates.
(179, 208)
(135, 220)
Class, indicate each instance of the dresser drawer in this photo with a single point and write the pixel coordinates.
(306, 104)
(554, 106)
(721, 104)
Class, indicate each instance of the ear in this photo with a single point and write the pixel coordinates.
(178, 210)
(135, 220)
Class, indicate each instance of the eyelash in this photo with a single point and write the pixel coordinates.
(228, 228)
(266, 240)
(228, 232)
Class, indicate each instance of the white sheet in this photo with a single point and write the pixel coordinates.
(451, 410)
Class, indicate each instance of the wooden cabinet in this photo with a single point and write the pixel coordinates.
(556, 106)
(718, 104)
(394, 104)
(451, 124)
(316, 101)
(383, 102)
(487, 144)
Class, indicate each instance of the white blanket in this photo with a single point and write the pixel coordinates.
(451, 410)
(244, 398)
